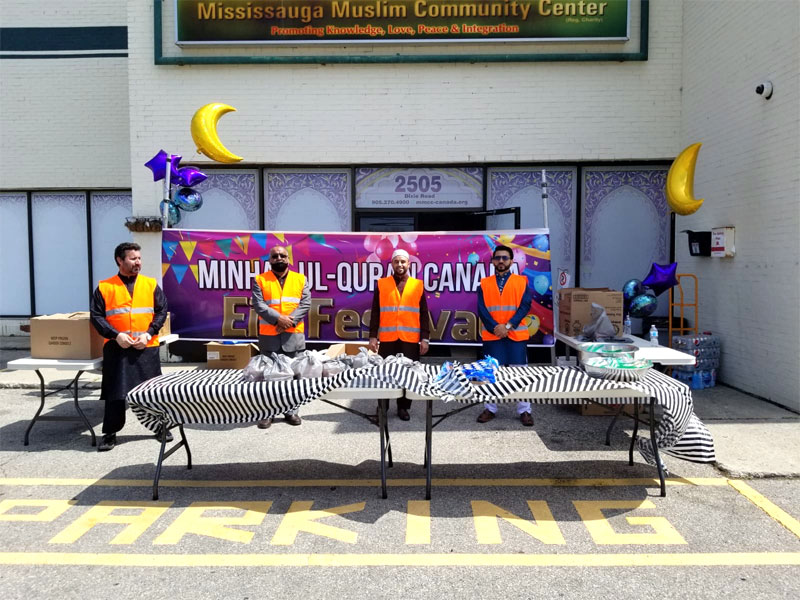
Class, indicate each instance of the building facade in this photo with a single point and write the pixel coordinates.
(91, 90)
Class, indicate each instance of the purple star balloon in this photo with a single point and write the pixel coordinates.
(158, 165)
(661, 278)
(189, 176)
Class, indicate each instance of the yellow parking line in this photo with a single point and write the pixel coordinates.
(767, 506)
(404, 560)
(439, 482)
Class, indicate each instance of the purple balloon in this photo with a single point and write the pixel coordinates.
(661, 278)
(189, 176)
(158, 165)
(548, 340)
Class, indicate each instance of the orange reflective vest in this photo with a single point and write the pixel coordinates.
(503, 306)
(126, 314)
(399, 316)
(282, 300)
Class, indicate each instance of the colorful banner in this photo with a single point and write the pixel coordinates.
(398, 21)
(207, 277)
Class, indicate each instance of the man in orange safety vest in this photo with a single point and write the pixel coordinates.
(281, 297)
(504, 300)
(128, 310)
(399, 323)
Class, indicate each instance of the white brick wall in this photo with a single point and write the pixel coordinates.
(64, 121)
(748, 171)
(310, 114)
(437, 113)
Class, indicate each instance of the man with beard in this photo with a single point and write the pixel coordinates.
(399, 322)
(504, 300)
(128, 310)
(281, 298)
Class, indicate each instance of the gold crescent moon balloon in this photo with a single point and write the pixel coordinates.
(204, 132)
(680, 182)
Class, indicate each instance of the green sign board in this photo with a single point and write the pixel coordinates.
(399, 21)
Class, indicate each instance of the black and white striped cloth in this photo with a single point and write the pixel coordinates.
(220, 397)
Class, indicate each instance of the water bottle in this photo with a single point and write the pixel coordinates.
(654, 335)
(697, 381)
(626, 326)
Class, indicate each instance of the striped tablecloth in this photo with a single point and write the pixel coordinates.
(220, 396)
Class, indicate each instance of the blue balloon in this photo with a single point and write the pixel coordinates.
(644, 304)
(188, 199)
(631, 289)
(173, 214)
(541, 283)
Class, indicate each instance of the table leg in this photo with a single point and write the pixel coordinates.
(655, 447)
(162, 455)
(428, 447)
(185, 443)
(163, 445)
(80, 412)
(635, 430)
(383, 430)
(611, 426)
(42, 395)
(41, 406)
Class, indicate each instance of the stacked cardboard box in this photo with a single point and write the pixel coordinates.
(65, 336)
(575, 306)
(229, 356)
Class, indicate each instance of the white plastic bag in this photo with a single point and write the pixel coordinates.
(306, 364)
(280, 369)
(333, 366)
(254, 371)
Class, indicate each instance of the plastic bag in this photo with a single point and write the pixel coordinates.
(482, 370)
(361, 359)
(372, 359)
(254, 371)
(600, 326)
(333, 366)
(306, 364)
(280, 369)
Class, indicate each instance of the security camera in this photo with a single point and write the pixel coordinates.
(764, 89)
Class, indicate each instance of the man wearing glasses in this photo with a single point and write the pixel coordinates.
(281, 298)
(503, 302)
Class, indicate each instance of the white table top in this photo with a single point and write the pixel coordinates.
(62, 364)
(31, 364)
(662, 355)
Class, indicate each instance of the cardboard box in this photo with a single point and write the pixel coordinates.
(229, 356)
(166, 329)
(575, 305)
(68, 336)
(609, 410)
(335, 350)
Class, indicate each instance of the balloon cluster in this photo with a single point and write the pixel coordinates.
(185, 198)
(640, 298)
(381, 246)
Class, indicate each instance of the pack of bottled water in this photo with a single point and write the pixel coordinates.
(701, 364)
(696, 379)
(706, 350)
(691, 342)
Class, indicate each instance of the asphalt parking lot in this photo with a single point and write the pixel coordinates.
(547, 511)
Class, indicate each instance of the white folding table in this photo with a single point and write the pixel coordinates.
(81, 366)
(661, 355)
(221, 396)
(37, 364)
